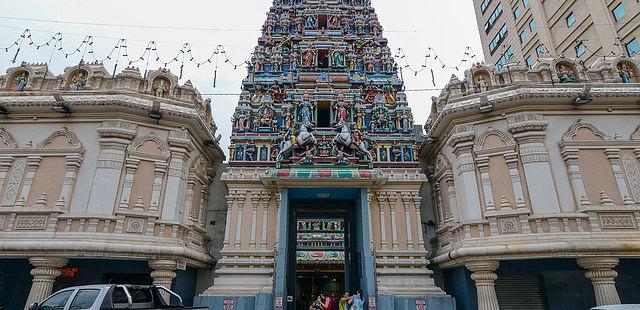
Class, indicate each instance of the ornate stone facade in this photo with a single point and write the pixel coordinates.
(323, 115)
(541, 165)
(87, 172)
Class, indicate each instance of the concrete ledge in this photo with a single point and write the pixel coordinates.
(386, 302)
(259, 302)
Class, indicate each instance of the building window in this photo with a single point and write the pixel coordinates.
(618, 12)
(484, 5)
(529, 62)
(492, 19)
(498, 38)
(516, 13)
(525, 3)
(580, 49)
(540, 50)
(571, 19)
(532, 25)
(633, 47)
(523, 36)
(506, 56)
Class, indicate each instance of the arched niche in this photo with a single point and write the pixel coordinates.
(482, 80)
(567, 72)
(18, 80)
(160, 86)
(628, 71)
(77, 80)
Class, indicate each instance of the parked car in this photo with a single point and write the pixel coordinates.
(110, 297)
(617, 307)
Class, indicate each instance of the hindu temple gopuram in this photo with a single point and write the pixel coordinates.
(323, 181)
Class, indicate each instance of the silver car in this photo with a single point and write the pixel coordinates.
(109, 297)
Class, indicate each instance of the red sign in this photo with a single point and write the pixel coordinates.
(228, 304)
(181, 264)
(421, 304)
(69, 272)
(372, 302)
(279, 302)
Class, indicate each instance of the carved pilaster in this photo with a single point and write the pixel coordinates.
(600, 272)
(483, 166)
(255, 201)
(265, 198)
(231, 197)
(33, 162)
(159, 172)
(383, 226)
(616, 166)
(484, 276)
(571, 158)
(406, 202)
(417, 200)
(45, 271)
(240, 204)
(164, 271)
(130, 171)
(71, 175)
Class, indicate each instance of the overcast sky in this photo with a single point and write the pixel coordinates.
(449, 27)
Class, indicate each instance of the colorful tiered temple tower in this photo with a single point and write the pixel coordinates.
(323, 179)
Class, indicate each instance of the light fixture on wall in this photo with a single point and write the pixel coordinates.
(61, 105)
(584, 97)
(485, 106)
(209, 143)
(155, 111)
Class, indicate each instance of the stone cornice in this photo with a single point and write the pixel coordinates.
(522, 94)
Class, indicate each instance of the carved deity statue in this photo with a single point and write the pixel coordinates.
(309, 58)
(566, 75)
(311, 22)
(161, 88)
(79, 81)
(306, 110)
(483, 86)
(625, 73)
(21, 81)
(337, 58)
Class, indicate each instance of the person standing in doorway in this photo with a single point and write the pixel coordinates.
(356, 301)
(327, 304)
(334, 301)
(343, 302)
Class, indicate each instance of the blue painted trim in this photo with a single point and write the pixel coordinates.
(368, 275)
(280, 281)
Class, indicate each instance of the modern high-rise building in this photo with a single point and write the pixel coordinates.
(526, 30)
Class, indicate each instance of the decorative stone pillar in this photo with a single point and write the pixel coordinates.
(514, 173)
(417, 200)
(164, 271)
(160, 169)
(238, 239)
(483, 274)
(32, 166)
(529, 131)
(255, 201)
(70, 177)
(487, 190)
(231, 197)
(130, 168)
(177, 180)
(462, 142)
(575, 176)
(383, 226)
(392, 210)
(115, 136)
(406, 200)
(265, 198)
(600, 272)
(5, 165)
(616, 166)
(45, 271)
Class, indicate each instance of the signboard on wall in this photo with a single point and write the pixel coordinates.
(421, 304)
(228, 304)
(181, 264)
(372, 302)
(279, 302)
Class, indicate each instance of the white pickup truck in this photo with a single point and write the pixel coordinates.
(110, 297)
